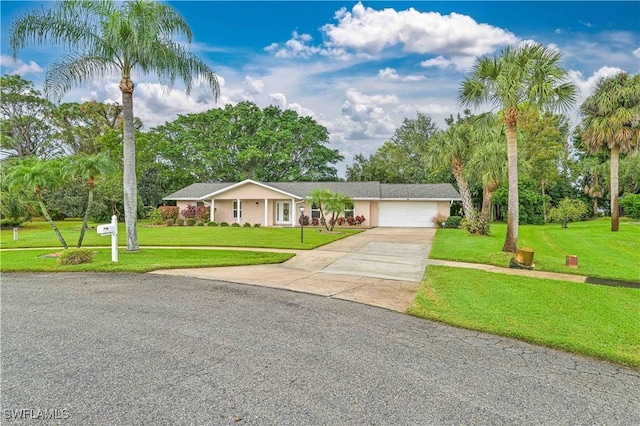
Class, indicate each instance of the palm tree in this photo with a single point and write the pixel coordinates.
(453, 147)
(88, 167)
(105, 37)
(329, 202)
(530, 73)
(34, 175)
(611, 117)
(488, 163)
(319, 197)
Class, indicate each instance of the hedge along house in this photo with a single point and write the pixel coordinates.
(278, 204)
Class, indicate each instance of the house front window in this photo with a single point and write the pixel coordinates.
(349, 211)
(315, 212)
(237, 210)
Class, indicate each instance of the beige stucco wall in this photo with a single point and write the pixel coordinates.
(373, 212)
(363, 208)
(444, 208)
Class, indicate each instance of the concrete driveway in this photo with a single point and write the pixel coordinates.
(381, 267)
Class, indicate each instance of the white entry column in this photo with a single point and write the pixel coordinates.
(212, 211)
(293, 212)
(266, 212)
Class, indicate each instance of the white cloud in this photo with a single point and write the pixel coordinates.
(279, 98)
(391, 74)
(369, 30)
(296, 46)
(437, 62)
(18, 66)
(587, 86)
(255, 86)
(637, 52)
(357, 98)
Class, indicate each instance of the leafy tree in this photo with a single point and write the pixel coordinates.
(610, 120)
(328, 202)
(568, 210)
(240, 142)
(82, 127)
(34, 175)
(25, 120)
(103, 37)
(631, 205)
(543, 148)
(88, 167)
(530, 73)
(400, 160)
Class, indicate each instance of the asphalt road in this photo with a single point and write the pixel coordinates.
(119, 349)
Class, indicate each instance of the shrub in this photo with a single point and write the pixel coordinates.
(341, 221)
(247, 225)
(212, 224)
(303, 220)
(631, 205)
(315, 221)
(224, 224)
(170, 222)
(191, 221)
(360, 219)
(179, 222)
(438, 220)
(203, 213)
(11, 223)
(57, 215)
(477, 225)
(568, 210)
(76, 256)
(156, 217)
(256, 225)
(454, 221)
(200, 223)
(189, 212)
(235, 225)
(169, 212)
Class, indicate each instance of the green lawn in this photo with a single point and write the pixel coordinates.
(143, 261)
(601, 253)
(40, 234)
(589, 319)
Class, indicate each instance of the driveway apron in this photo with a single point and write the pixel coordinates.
(381, 267)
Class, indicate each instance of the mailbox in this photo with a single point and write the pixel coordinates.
(108, 229)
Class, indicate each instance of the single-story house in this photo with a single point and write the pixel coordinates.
(278, 203)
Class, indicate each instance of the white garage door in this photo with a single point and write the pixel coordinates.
(410, 214)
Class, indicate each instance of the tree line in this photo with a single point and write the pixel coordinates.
(522, 158)
(41, 141)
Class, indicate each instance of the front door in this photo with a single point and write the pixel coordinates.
(283, 212)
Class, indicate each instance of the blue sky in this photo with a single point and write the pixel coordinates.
(360, 68)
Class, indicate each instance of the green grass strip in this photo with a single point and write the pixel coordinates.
(39, 234)
(601, 253)
(593, 320)
(145, 260)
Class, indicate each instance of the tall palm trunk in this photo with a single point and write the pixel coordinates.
(615, 209)
(463, 186)
(513, 212)
(85, 219)
(129, 156)
(47, 216)
(487, 193)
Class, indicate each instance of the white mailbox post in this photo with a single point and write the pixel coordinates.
(111, 229)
